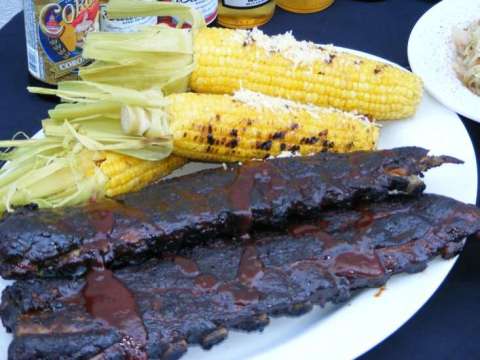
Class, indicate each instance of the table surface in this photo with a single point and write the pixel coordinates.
(448, 326)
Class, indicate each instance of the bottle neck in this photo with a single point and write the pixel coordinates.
(244, 14)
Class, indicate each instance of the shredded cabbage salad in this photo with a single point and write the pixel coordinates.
(467, 43)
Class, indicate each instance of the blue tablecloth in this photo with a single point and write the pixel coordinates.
(448, 326)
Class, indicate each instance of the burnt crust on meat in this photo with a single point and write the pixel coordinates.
(185, 210)
(198, 294)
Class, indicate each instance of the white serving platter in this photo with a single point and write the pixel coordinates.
(348, 330)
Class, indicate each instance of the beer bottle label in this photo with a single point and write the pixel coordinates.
(244, 4)
(129, 24)
(55, 33)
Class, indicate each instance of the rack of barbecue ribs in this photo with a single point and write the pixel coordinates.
(194, 296)
(186, 210)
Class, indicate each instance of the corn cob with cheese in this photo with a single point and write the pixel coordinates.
(227, 60)
(223, 61)
(85, 152)
(226, 128)
(222, 128)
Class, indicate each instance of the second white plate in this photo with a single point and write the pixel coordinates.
(431, 54)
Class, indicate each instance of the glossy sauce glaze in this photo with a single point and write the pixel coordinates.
(186, 266)
(250, 270)
(206, 282)
(250, 267)
(365, 220)
(221, 202)
(261, 176)
(356, 263)
(227, 283)
(104, 218)
(102, 221)
(316, 229)
(239, 193)
(106, 298)
(351, 259)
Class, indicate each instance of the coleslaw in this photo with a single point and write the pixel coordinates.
(467, 66)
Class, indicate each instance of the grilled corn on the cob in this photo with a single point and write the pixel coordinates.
(223, 61)
(227, 60)
(254, 126)
(69, 167)
(56, 177)
(226, 128)
(127, 174)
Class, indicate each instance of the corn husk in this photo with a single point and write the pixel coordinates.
(48, 173)
(59, 170)
(154, 56)
(93, 119)
(184, 13)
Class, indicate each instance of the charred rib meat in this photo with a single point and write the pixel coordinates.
(184, 210)
(156, 309)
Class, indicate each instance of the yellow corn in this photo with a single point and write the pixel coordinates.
(127, 174)
(70, 178)
(252, 126)
(227, 60)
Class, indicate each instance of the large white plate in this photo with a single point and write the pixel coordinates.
(431, 54)
(347, 331)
